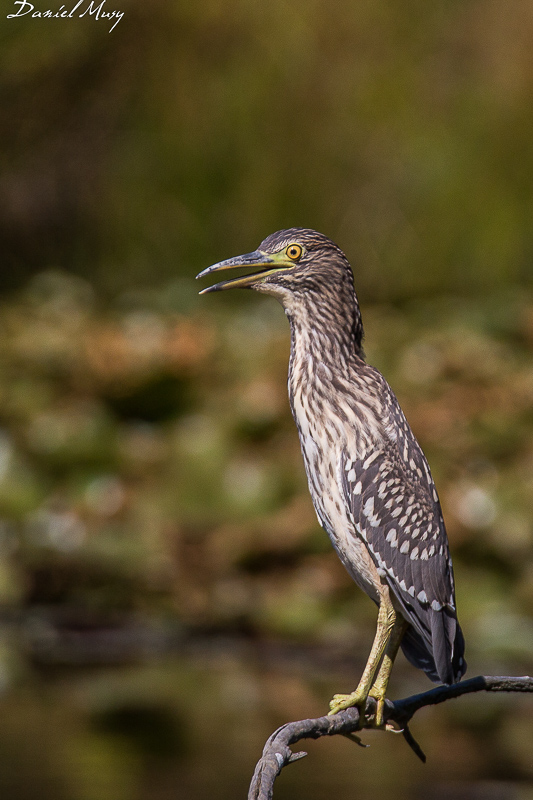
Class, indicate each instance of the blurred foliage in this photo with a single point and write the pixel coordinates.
(190, 132)
(152, 492)
(149, 465)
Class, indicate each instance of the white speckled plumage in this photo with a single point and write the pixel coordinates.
(369, 480)
(367, 474)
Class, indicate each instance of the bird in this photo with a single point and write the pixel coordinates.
(369, 480)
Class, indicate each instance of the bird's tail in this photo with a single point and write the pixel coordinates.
(439, 664)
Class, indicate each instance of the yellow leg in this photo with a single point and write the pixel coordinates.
(379, 687)
(386, 621)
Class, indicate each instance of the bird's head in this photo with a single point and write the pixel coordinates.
(312, 279)
(289, 263)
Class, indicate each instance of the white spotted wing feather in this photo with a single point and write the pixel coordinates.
(395, 510)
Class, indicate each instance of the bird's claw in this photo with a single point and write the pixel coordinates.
(390, 726)
(342, 701)
(374, 719)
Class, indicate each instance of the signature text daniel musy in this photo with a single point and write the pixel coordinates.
(80, 9)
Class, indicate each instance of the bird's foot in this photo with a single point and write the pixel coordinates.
(379, 697)
(358, 699)
(377, 720)
(342, 701)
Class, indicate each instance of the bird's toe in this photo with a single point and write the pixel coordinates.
(342, 701)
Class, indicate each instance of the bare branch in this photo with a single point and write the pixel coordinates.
(277, 753)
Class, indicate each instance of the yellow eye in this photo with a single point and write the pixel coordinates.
(294, 251)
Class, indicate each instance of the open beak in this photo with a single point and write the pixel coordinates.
(267, 265)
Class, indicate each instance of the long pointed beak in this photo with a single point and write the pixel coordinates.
(266, 263)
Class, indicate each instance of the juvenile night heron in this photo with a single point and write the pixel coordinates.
(368, 477)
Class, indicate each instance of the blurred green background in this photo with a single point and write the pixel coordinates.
(167, 598)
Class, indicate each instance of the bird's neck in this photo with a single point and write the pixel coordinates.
(325, 347)
(326, 332)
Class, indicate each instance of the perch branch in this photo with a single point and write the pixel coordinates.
(277, 752)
